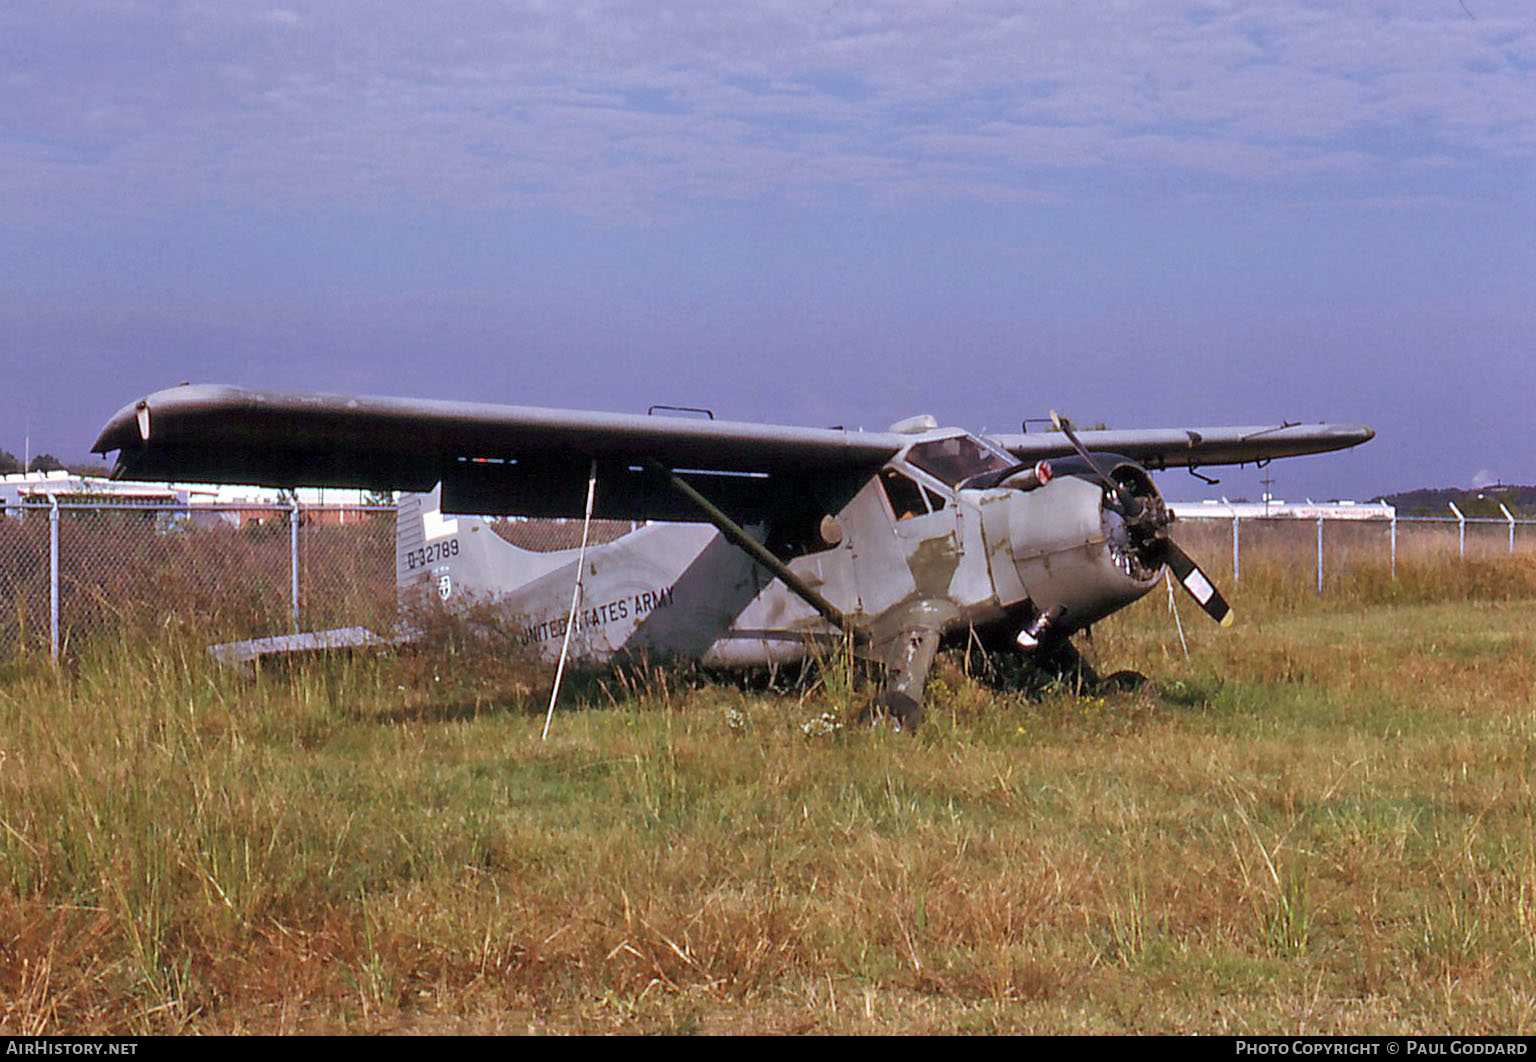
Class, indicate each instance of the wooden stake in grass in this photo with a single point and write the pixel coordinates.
(1174, 608)
(570, 621)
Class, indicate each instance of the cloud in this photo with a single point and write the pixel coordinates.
(595, 106)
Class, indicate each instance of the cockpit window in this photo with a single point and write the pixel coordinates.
(952, 460)
(905, 496)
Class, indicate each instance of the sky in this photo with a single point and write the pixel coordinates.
(1141, 214)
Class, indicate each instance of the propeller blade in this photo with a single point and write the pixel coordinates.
(1127, 499)
(1063, 425)
(1189, 575)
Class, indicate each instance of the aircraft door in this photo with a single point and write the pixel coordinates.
(880, 572)
(926, 529)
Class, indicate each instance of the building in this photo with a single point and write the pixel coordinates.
(1276, 509)
(206, 505)
(42, 488)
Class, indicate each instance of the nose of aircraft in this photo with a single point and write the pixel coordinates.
(1094, 539)
(1074, 553)
(1134, 491)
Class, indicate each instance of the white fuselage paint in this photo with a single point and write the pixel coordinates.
(680, 589)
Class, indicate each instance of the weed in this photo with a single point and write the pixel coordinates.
(1129, 927)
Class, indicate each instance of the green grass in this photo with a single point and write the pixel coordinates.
(1321, 823)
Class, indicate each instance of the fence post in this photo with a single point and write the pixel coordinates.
(53, 577)
(293, 558)
(1461, 521)
(1319, 554)
(1237, 566)
(1511, 518)
(1394, 545)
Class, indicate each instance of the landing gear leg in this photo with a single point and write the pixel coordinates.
(906, 675)
(1050, 652)
(1061, 660)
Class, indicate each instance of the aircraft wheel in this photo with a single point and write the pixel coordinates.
(1128, 682)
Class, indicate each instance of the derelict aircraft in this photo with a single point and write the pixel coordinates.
(762, 541)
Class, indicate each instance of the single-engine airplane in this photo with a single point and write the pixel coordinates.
(761, 543)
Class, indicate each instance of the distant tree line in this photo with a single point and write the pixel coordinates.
(10, 463)
(1477, 502)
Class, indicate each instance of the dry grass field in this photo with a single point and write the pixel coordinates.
(1320, 822)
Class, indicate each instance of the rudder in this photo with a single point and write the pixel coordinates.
(458, 558)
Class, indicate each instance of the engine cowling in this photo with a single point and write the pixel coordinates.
(1083, 551)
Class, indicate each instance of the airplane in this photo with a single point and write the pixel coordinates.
(761, 544)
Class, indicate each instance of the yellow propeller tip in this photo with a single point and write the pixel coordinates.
(1229, 619)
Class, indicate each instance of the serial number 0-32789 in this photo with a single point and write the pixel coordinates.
(431, 554)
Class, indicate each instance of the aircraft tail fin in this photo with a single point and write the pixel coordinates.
(458, 558)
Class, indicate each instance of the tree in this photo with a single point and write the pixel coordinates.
(9, 463)
(46, 463)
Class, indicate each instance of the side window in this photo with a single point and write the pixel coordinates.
(936, 501)
(906, 497)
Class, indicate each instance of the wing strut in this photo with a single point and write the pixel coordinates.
(737, 536)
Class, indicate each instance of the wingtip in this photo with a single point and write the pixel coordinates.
(1354, 434)
(121, 431)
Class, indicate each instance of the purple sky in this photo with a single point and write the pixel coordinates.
(808, 213)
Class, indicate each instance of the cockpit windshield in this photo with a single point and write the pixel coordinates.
(961, 457)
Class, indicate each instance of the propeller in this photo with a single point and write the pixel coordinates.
(1149, 524)
(1193, 580)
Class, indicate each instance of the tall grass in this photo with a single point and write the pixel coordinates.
(1279, 558)
(1319, 822)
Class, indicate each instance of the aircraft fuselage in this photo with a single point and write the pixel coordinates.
(916, 551)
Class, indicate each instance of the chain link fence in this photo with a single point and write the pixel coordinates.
(72, 571)
(547, 536)
(1329, 552)
(84, 568)
(76, 570)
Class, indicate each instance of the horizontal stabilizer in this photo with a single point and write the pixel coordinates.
(248, 655)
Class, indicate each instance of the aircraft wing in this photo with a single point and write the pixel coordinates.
(1194, 447)
(491, 459)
